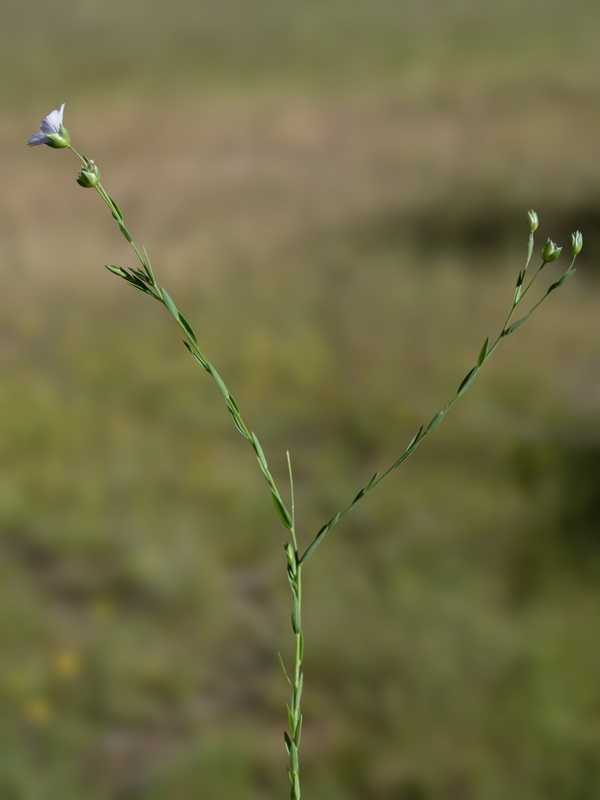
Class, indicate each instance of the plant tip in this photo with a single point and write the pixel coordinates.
(89, 176)
(550, 251)
(576, 243)
(532, 218)
(52, 132)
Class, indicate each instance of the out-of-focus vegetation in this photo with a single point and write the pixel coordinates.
(336, 194)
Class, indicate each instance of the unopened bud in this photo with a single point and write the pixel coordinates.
(89, 176)
(550, 251)
(576, 243)
(533, 220)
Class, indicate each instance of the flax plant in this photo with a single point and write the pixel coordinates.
(53, 133)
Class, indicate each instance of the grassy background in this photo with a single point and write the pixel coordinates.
(335, 193)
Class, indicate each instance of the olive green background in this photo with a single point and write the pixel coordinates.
(335, 193)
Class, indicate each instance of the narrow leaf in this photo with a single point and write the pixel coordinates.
(437, 419)
(197, 357)
(116, 270)
(293, 757)
(296, 616)
(172, 308)
(235, 416)
(283, 668)
(219, 381)
(358, 496)
(413, 441)
(282, 511)
(259, 451)
(371, 482)
(124, 231)
(116, 208)
(187, 328)
(517, 295)
(519, 322)
(319, 537)
(483, 352)
(288, 742)
(467, 381)
(561, 280)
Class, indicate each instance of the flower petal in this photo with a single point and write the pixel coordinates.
(38, 138)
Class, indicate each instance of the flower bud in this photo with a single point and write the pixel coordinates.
(576, 243)
(550, 251)
(533, 220)
(89, 176)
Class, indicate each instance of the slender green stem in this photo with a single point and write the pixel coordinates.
(465, 384)
(146, 282)
(292, 739)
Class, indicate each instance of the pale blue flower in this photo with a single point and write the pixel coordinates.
(52, 132)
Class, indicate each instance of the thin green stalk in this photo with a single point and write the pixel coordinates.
(145, 281)
(484, 354)
(52, 132)
(294, 572)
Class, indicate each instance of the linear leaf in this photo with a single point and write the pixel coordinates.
(116, 270)
(285, 672)
(219, 381)
(467, 381)
(413, 441)
(116, 208)
(187, 328)
(371, 482)
(172, 308)
(288, 742)
(282, 511)
(483, 352)
(296, 616)
(197, 357)
(437, 419)
(319, 537)
(519, 322)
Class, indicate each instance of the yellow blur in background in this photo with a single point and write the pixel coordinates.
(335, 193)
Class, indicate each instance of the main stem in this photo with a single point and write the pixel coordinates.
(292, 740)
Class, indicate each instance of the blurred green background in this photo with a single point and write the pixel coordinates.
(335, 192)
